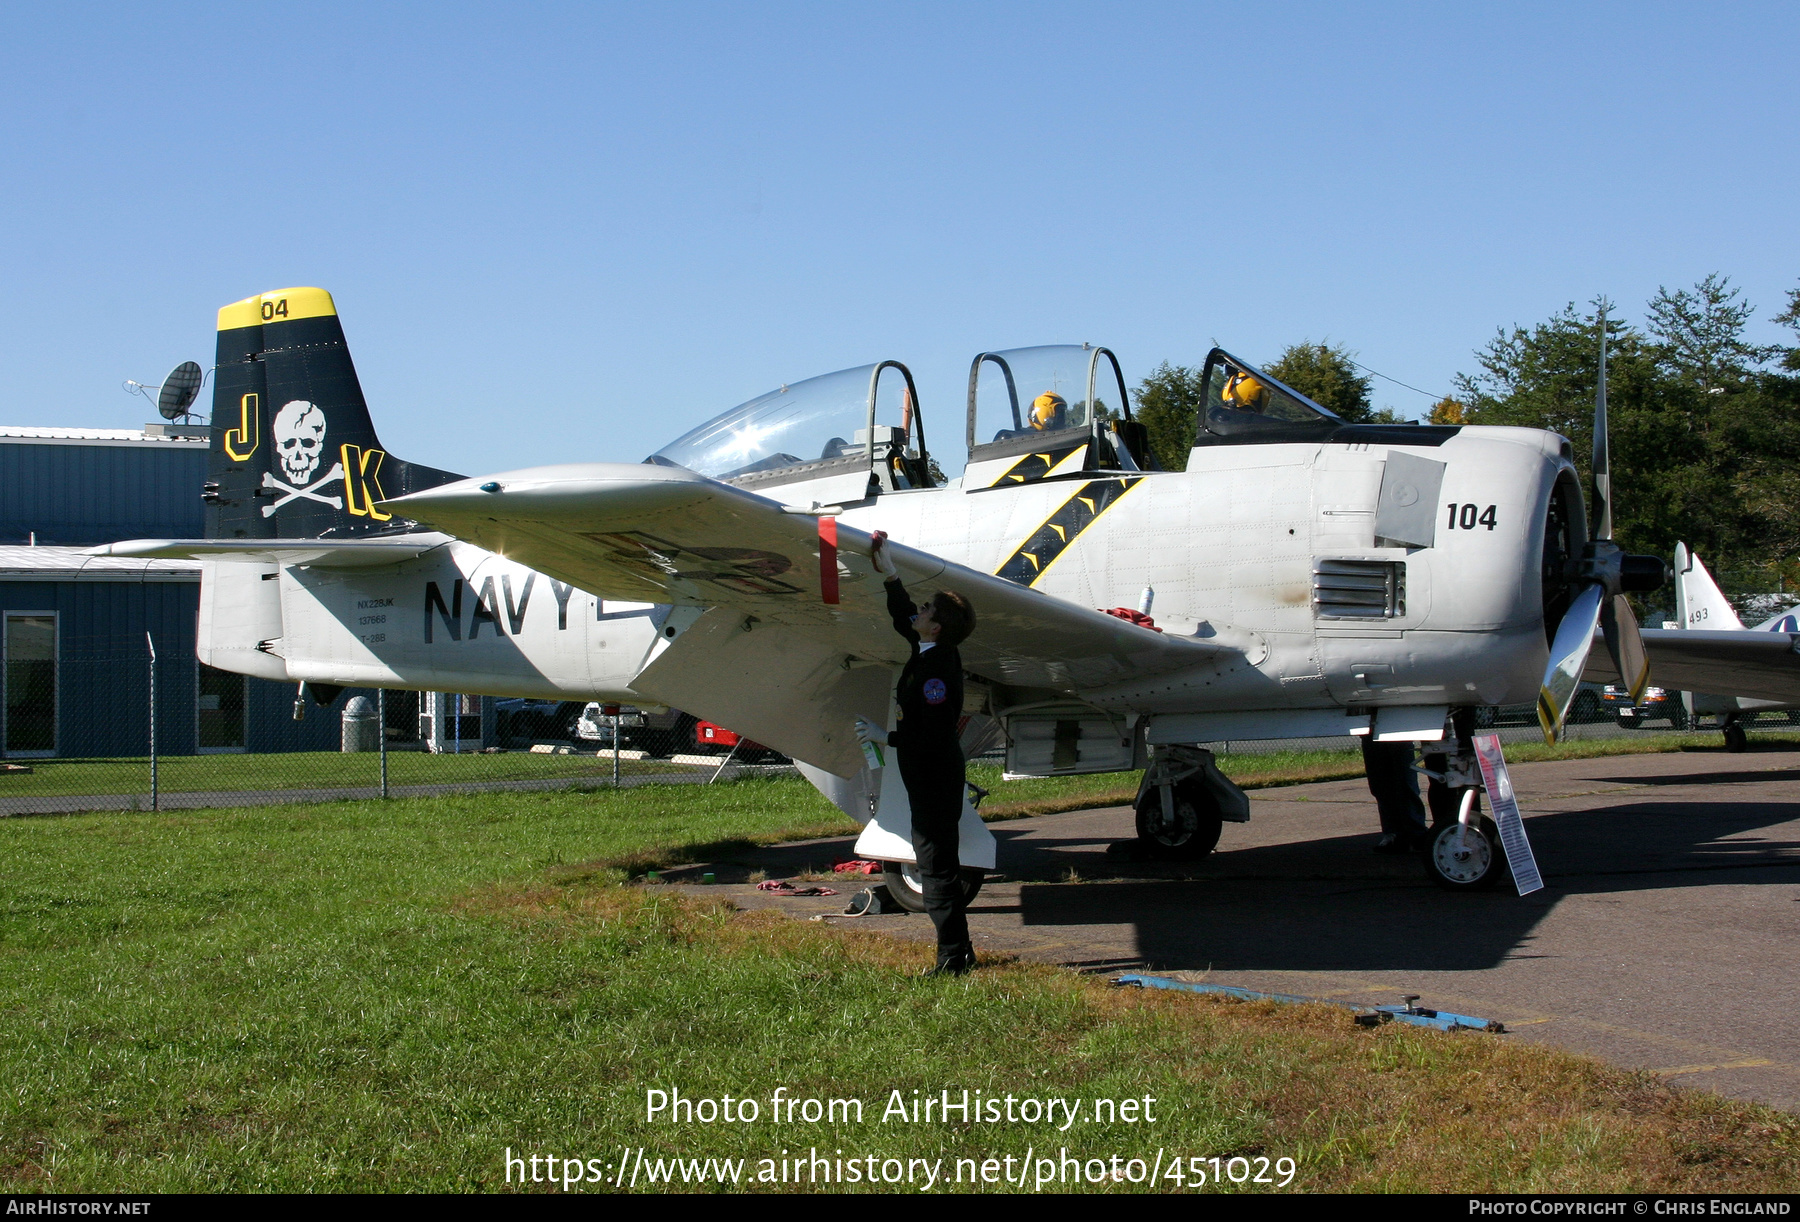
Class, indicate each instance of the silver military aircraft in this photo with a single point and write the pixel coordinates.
(1302, 577)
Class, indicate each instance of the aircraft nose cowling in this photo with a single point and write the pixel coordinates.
(569, 490)
(1642, 574)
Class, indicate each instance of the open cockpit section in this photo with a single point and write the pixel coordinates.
(835, 439)
(1046, 412)
(1245, 405)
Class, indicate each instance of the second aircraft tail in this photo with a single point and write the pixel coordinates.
(1699, 603)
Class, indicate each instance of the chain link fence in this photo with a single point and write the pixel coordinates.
(101, 725)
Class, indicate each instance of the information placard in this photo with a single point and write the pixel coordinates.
(1506, 814)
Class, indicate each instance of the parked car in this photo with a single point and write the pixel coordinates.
(1585, 709)
(595, 728)
(659, 734)
(1657, 703)
(519, 718)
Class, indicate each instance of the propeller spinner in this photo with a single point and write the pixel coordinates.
(1605, 575)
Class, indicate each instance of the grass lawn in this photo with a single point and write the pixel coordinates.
(388, 996)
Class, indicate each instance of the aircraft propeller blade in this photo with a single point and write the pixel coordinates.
(1602, 451)
(1626, 645)
(1568, 658)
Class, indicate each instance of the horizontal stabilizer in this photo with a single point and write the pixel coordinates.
(319, 553)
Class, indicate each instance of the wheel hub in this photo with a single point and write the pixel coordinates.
(1179, 830)
(1463, 858)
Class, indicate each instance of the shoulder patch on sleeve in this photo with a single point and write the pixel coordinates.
(935, 691)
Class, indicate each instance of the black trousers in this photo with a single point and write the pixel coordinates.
(936, 797)
(1395, 786)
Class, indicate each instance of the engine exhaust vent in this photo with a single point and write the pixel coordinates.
(1359, 589)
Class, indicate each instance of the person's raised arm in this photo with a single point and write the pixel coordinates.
(900, 607)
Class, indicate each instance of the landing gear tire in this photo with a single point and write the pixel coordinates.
(1735, 738)
(1190, 835)
(1473, 862)
(904, 884)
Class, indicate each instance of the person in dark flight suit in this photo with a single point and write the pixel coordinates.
(928, 751)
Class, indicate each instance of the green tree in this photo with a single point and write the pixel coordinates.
(1168, 406)
(1701, 333)
(1705, 448)
(1790, 317)
(1326, 375)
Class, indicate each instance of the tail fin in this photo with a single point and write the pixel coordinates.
(1698, 601)
(294, 454)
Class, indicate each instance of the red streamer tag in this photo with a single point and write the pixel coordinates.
(828, 573)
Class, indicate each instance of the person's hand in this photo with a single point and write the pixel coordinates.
(868, 732)
(884, 563)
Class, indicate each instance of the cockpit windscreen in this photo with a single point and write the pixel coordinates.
(1244, 404)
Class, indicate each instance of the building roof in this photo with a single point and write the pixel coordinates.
(18, 434)
(74, 564)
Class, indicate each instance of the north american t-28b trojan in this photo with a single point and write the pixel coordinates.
(1302, 577)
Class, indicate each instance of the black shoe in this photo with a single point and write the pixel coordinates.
(1393, 844)
(953, 961)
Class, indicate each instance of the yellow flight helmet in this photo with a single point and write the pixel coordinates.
(1244, 392)
(1046, 408)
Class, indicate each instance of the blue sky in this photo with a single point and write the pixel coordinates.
(560, 233)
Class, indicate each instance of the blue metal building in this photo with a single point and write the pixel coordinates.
(79, 487)
(76, 630)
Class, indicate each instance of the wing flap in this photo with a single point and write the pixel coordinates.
(779, 683)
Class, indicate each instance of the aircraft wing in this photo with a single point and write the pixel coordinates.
(1760, 665)
(320, 553)
(666, 535)
(785, 610)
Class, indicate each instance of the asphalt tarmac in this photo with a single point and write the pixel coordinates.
(1665, 938)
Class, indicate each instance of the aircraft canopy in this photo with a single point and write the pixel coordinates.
(848, 419)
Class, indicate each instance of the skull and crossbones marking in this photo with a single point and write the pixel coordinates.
(293, 494)
(299, 445)
(299, 440)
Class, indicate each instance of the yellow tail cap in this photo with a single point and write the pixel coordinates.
(278, 306)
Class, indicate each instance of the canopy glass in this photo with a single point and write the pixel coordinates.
(1244, 404)
(864, 415)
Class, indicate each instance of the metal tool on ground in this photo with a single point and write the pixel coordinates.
(1408, 1012)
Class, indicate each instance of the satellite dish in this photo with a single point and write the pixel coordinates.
(179, 390)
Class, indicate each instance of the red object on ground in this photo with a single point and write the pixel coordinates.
(858, 867)
(1136, 617)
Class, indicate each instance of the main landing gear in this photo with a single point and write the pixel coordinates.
(1735, 738)
(906, 887)
(1183, 804)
